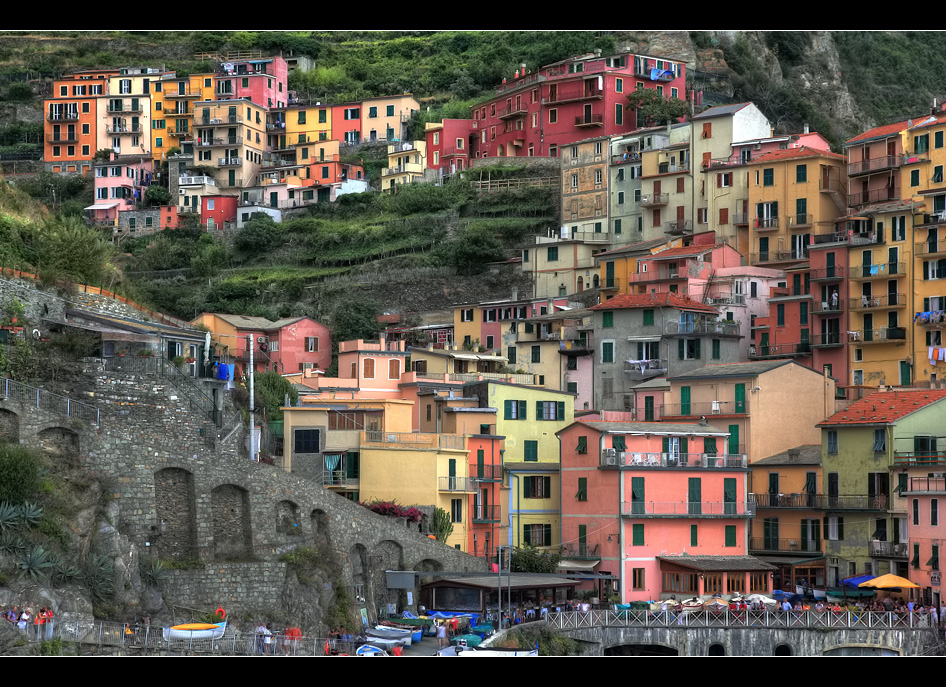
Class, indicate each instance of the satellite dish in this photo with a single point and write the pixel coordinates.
(36, 334)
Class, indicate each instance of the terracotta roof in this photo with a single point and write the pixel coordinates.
(652, 300)
(878, 131)
(739, 563)
(684, 251)
(791, 153)
(885, 407)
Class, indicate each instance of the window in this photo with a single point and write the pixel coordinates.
(716, 355)
(915, 177)
(832, 441)
(880, 440)
(801, 174)
(312, 344)
(694, 535)
(553, 116)
(456, 510)
(582, 494)
(368, 367)
(620, 197)
(574, 181)
(934, 511)
(530, 450)
(938, 139)
(835, 528)
(511, 355)
(549, 410)
(553, 254)
(619, 114)
(582, 447)
(394, 369)
(637, 537)
(537, 535)
(637, 578)
(619, 85)
(607, 319)
(607, 352)
(372, 113)
(648, 317)
(389, 111)
(768, 177)
(306, 441)
(514, 410)
(730, 535)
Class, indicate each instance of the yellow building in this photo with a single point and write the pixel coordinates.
(230, 135)
(406, 164)
(387, 118)
(667, 186)
(794, 194)
(528, 418)
(172, 110)
(615, 267)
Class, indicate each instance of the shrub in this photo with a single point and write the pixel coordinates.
(19, 474)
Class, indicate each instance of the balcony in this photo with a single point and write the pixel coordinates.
(874, 165)
(827, 340)
(63, 138)
(415, 439)
(707, 408)
(486, 473)
(178, 133)
(512, 112)
(63, 116)
(678, 227)
(186, 92)
(702, 328)
(834, 273)
(456, 484)
(216, 142)
(219, 121)
(730, 299)
(486, 514)
(776, 545)
(132, 129)
(589, 120)
(851, 502)
(652, 200)
(614, 458)
(654, 74)
(800, 222)
(932, 319)
(645, 369)
(888, 549)
(887, 300)
(919, 459)
(926, 220)
(338, 478)
(930, 249)
(229, 161)
(114, 108)
(766, 223)
(581, 551)
(876, 196)
(884, 270)
(801, 501)
(879, 335)
(779, 350)
(196, 181)
(684, 509)
(833, 306)
(564, 94)
(926, 485)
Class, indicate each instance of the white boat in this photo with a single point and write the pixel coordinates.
(392, 633)
(369, 650)
(490, 653)
(196, 631)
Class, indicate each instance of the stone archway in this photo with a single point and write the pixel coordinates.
(319, 527)
(288, 522)
(9, 426)
(175, 534)
(232, 536)
(59, 441)
(360, 573)
(386, 555)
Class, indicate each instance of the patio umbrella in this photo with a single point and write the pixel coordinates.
(889, 582)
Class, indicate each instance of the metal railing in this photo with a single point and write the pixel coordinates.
(865, 620)
(763, 500)
(426, 440)
(580, 550)
(486, 473)
(687, 509)
(886, 300)
(883, 269)
(18, 392)
(482, 514)
(874, 164)
(724, 327)
(889, 549)
(459, 484)
(732, 407)
(144, 639)
(614, 458)
(776, 544)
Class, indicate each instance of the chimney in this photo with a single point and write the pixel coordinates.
(806, 128)
(793, 454)
(515, 293)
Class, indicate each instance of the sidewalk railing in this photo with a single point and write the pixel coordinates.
(50, 402)
(790, 620)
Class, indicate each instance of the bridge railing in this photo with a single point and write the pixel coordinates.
(867, 620)
(151, 639)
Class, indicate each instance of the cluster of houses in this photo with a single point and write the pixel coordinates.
(700, 389)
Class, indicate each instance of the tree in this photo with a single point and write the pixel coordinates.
(441, 526)
(157, 196)
(654, 110)
(530, 560)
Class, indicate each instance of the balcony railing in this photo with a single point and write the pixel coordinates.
(827, 340)
(727, 299)
(889, 549)
(654, 199)
(779, 350)
(128, 129)
(796, 221)
(426, 440)
(581, 551)
(685, 509)
(851, 502)
(731, 407)
(614, 458)
(63, 138)
(882, 270)
(63, 116)
(805, 501)
(229, 161)
(919, 459)
(926, 485)
(646, 368)
(677, 227)
(186, 92)
(196, 181)
(763, 223)
(876, 196)
(589, 120)
(714, 327)
(833, 306)
(930, 248)
(834, 273)
(785, 545)
(874, 165)
(112, 108)
(740, 219)
(462, 484)
(486, 473)
(563, 94)
(338, 478)
(887, 300)
(931, 318)
(218, 121)
(486, 514)
(879, 335)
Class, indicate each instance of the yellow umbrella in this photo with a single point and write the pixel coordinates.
(889, 582)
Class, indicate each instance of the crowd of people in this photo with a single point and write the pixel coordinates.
(40, 624)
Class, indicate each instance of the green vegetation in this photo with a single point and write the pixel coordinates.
(531, 560)
(441, 526)
(272, 389)
(654, 109)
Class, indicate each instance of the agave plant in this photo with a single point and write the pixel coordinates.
(11, 543)
(66, 573)
(9, 517)
(30, 514)
(97, 574)
(152, 571)
(36, 564)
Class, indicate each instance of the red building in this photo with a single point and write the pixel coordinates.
(534, 114)
(263, 81)
(218, 211)
(346, 123)
(448, 145)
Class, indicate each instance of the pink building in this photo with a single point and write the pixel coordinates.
(535, 114)
(120, 184)
(659, 505)
(874, 159)
(366, 369)
(262, 81)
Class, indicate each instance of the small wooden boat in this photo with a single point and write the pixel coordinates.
(392, 633)
(196, 631)
(694, 604)
(369, 650)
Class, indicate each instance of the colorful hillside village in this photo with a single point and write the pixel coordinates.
(726, 378)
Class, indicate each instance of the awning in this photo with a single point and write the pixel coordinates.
(643, 338)
(102, 206)
(571, 564)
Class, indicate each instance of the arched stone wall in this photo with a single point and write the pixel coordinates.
(288, 522)
(9, 426)
(232, 534)
(59, 441)
(175, 505)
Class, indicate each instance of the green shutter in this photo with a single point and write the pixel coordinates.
(680, 348)
(740, 398)
(607, 319)
(507, 410)
(730, 535)
(648, 318)
(709, 446)
(618, 442)
(527, 487)
(693, 536)
(546, 487)
(527, 535)
(694, 495)
(561, 410)
(539, 411)
(729, 495)
(684, 400)
(637, 495)
(582, 445)
(582, 494)
(523, 414)
(638, 535)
